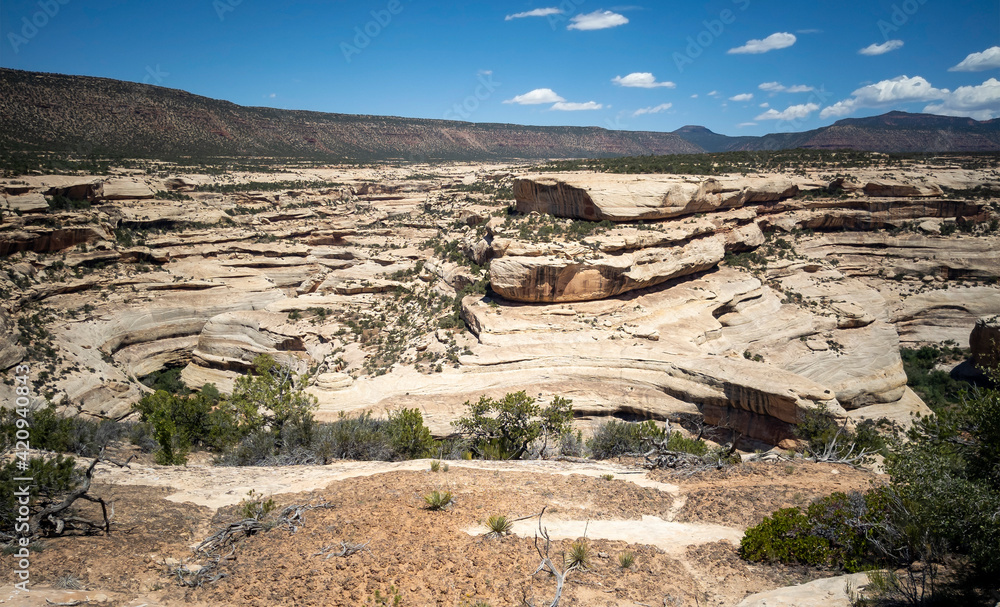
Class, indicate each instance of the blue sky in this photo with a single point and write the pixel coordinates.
(739, 67)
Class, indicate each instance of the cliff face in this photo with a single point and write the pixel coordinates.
(84, 115)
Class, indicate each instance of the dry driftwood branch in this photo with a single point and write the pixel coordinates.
(50, 518)
(346, 549)
(548, 565)
(227, 537)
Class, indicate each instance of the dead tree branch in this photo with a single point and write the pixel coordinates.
(548, 565)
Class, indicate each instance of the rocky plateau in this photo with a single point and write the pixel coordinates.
(740, 299)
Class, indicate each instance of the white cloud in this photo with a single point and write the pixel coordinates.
(713, 93)
(902, 89)
(536, 96)
(597, 20)
(742, 97)
(538, 12)
(653, 110)
(809, 31)
(695, 96)
(794, 112)
(777, 87)
(745, 124)
(567, 106)
(771, 43)
(980, 102)
(765, 105)
(880, 49)
(977, 62)
(644, 80)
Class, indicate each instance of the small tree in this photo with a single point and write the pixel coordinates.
(271, 397)
(506, 428)
(409, 437)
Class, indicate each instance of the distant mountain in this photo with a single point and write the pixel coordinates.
(84, 115)
(892, 132)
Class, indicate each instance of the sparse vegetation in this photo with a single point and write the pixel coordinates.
(438, 500)
(506, 428)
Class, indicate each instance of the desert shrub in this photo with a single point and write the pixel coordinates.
(506, 428)
(180, 422)
(626, 559)
(270, 396)
(578, 555)
(52, 432)
(408, 436)
(52, 478)
(362, 438)
(168, 380)
(823, 434)
(438, 500)
(940, 506)
(614, 438)
(499, 525)
(831, 532)
(256, 506)
(252, 450)
(572, 444)
(937, 388)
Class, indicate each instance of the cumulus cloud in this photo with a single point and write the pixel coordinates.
(777, 87)
(644, 80)
(977, 62)
(653, 110)
(794, 112)
(713, 93)
(597, 20)
(742, 97)
(902, 89)
(536, 97)
(771, 43)
(765, 105)
(567, 106)
(538, 12)
(980, 102)
(880, 49)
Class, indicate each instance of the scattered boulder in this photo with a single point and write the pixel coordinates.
(985, 343)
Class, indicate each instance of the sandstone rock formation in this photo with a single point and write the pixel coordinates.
(124, 189)
(985, 343)
(597, 197)
(725, 309)
(11, 352)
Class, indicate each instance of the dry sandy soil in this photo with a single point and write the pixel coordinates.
(684, 531)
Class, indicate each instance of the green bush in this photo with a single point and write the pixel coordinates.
(830, 533)
(506, 428)
(940, 506)
(937, 388)
(819, 429)
(180, 422)
(52, 479)
(52, 432)
(614, 438)
(408, 436)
